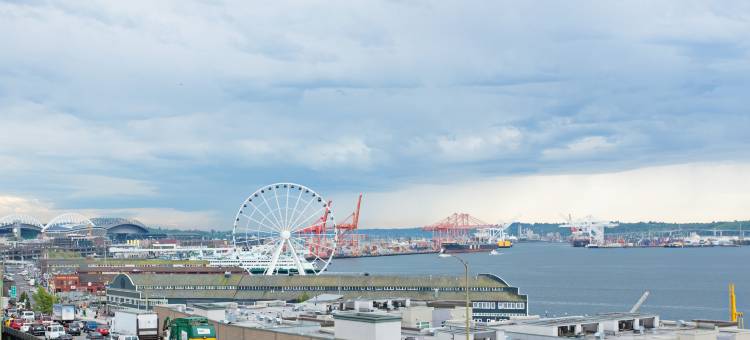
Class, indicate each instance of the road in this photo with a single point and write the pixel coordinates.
(21, 282)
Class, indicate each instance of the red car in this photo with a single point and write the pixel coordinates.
(16, 324)
(103, 331)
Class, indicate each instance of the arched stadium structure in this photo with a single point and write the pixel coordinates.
(22, 226)
(28, 227)
(121, 228)
(71, 223)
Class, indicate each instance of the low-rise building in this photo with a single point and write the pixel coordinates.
(367, 326)
(417, 316)
(263, 323)
(64, 283)
(573, 326)
(146, 290)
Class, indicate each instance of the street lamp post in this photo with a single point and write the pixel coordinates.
(466, 277)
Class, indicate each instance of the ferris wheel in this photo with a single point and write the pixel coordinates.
(285, 228)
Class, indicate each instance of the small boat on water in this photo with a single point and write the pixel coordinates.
(495, 252)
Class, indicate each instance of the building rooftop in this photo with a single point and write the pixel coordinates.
(482, 280)
(569, 320)
(209, 306)
(367, 317)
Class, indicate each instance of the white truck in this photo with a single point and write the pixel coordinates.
(63, 313)
(131, 322)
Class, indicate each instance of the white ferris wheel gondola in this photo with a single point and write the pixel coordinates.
(284, 228)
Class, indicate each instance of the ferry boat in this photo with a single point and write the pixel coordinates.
(257, 263)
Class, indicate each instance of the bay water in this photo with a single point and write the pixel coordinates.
(685, 283)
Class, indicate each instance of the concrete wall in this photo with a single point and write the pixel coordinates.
(740, 334)
(441, 315)
(212, 314)
(698, 334)
(415, 314)
(232, 332)
(353, 330)
(520, 336)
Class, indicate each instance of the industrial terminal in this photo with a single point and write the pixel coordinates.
(271, 278)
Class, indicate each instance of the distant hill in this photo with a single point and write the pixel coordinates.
(538, 228)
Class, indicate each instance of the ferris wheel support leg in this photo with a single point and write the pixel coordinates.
(275, 258)
(300, 269)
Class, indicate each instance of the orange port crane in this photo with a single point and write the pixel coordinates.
(317, 240)
(454, 228)
(346, 232)
(353, 216)
(346, 229)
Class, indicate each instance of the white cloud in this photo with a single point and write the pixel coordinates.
(700, 192)
(92, 186)
(586, 146)
(479, 145)
(14, 205)
(315, 154)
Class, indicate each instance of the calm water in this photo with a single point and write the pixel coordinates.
(559, 279)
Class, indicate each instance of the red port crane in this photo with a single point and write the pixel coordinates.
(348, 238)
(317, 240)
(454, 228)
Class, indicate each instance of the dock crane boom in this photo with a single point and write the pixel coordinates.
(640, 302)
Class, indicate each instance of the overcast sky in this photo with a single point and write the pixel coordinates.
(174, 112)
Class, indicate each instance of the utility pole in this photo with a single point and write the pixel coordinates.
(468, 301)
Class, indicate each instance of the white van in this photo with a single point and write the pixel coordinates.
(28, 315)
(54, 331)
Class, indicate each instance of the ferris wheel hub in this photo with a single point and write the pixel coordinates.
(286, 234)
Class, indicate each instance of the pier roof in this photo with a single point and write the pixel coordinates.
(284, 287)
(436, 281)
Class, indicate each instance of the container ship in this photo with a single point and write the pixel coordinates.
(474, 247)
(580, 241)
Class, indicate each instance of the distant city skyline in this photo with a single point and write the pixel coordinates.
(173, 112)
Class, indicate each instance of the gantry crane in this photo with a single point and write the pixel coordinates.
(454, 228)
(589, 229)
(347, 228)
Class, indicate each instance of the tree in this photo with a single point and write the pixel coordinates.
(303, 297)
(43, 300)
(24, 299)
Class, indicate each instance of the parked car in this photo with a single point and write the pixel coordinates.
(74, 328)
(16, 324)
(25, 327)
(65, 337)
(94, 336)
(90, 326)
(46, 319)
(37, 329)
(54, 331)
(103, 331)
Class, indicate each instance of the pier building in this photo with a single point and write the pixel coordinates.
(492, 298)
